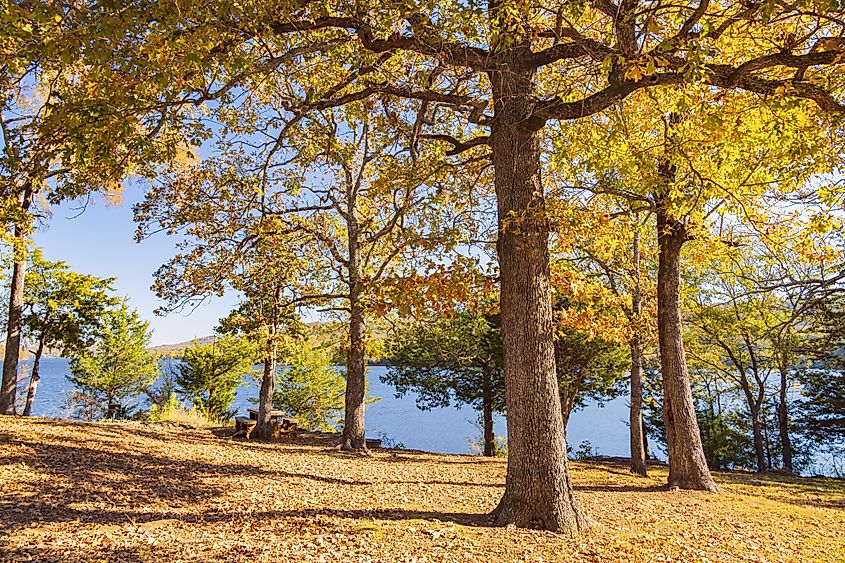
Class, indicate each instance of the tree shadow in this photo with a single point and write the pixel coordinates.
(72, 474)
(622, 488)
(444, 483)
(102, 554)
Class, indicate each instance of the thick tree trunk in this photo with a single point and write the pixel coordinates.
(538, 490)
(635, 420)
(112, 409)
(35, 377)
(263, 428)
(783, 423)
(13, 333)
(487, 414)
(687, 464)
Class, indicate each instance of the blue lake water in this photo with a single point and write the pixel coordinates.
(447, 430)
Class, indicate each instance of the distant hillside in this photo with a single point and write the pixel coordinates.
(179, 347)
(323, 334)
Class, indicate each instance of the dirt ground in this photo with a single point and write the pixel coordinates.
(136, 492)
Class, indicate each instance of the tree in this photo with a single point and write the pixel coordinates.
(118, 366)
(703, 175)
(276, 332)
(57, 142)
(208, 375)
(310, 390)
(823, 387)
(351, 204)
(823, 405)
(606, 240)
(456, 61)
(456, 358)
(734, 334)
(231, 239)
(61, 309)
(459, 358)
(754, 314)
(588, 367)
(370, 214)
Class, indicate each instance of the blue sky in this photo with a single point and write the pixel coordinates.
(100, 241)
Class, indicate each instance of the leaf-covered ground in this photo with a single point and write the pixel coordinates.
(135, 492)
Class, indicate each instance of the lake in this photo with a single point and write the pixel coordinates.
(446, 430)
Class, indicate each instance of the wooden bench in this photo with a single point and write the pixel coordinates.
(281, 427)
(244, 425)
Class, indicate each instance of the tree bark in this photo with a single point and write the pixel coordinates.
(638, 454)
(756, 430)
(13, 333)
(783, 423)
(755, 404)
(487, 414)
(35, 377)
(759, 447)
(538, 490)
(638, 460)
(263, 428)
(353, 426)
(687, 463)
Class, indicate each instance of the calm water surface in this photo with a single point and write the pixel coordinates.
(447, 430)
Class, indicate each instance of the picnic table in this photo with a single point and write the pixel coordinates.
(281, 424)
(274, 415)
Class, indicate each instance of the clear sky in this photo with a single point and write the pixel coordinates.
(101, 242)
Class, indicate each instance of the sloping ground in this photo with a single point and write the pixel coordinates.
(134, 492)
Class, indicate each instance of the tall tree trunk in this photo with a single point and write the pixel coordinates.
(13, 332)
(263, 428)
(757, 435)
(36, 375)
(783, 423)
(353, 425)
(487, 413)
(756, 423)
(687, 464)
(645, 440)
(638, 453)
(538, 489)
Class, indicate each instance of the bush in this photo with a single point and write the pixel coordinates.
(171, 410)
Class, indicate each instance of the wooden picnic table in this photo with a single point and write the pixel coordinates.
(278, 415)
(282, 424)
